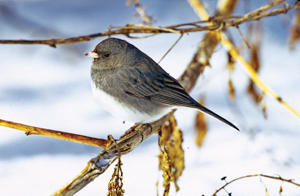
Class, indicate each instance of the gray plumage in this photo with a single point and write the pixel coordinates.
(135, 80)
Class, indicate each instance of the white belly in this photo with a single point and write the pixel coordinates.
(122, 111)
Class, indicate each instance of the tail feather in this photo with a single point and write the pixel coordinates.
(207, 111)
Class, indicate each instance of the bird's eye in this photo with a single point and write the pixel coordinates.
(106, 54)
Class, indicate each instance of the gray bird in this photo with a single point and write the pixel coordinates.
(129, 84)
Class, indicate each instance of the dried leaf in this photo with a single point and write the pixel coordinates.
(255, 63)
(115, 185)
(171, 157)
(264, 110)
(256, 96)
(230, 67)
(266, 192)
(295, 31)
(165, 135)
(254, 59)
(231, 89)
(200, 125)
(280, 190)
(230, 63)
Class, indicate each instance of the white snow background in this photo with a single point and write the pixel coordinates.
(50, 88)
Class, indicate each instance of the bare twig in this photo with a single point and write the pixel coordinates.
(141, 11)
(173, 45)
(256, 175)
(31, 130)
(212, 24)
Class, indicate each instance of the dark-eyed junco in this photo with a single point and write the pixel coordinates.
(129, 84)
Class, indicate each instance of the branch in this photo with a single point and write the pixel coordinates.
(141, 11)
(98, 165)
(211, 24)
(256, 175)
(200, 11)
(31, 130)
(253, 75)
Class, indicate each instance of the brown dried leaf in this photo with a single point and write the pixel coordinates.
(115, 185)
(255, 63)
(254, 59)
(230, 63)
(201, 127)
(295, 31)
(230, 67)
(280, 190)
(231, 89)
(256, 96)
(171, 158)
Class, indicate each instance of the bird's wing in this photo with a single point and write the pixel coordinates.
(162, 88)
(158, 87)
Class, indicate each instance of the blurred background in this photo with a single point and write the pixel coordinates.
(50, 87)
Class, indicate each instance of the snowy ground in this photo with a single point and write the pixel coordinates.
(50, 88)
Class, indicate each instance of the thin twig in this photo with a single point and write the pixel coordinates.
(141, 11)
(31, 130)
(173, 45)
(256, 175)
(213, 24)
(243, 37)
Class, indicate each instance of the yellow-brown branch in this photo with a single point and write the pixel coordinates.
(31, 130)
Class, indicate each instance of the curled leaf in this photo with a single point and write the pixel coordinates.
(230, 62)
(201, 127)
(171, 157)
(280, 190)
(231, 89)
(230, 67)
(115, 185)
(256, 95)
(295, 30)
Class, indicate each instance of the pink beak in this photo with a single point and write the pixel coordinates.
(92, 54)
